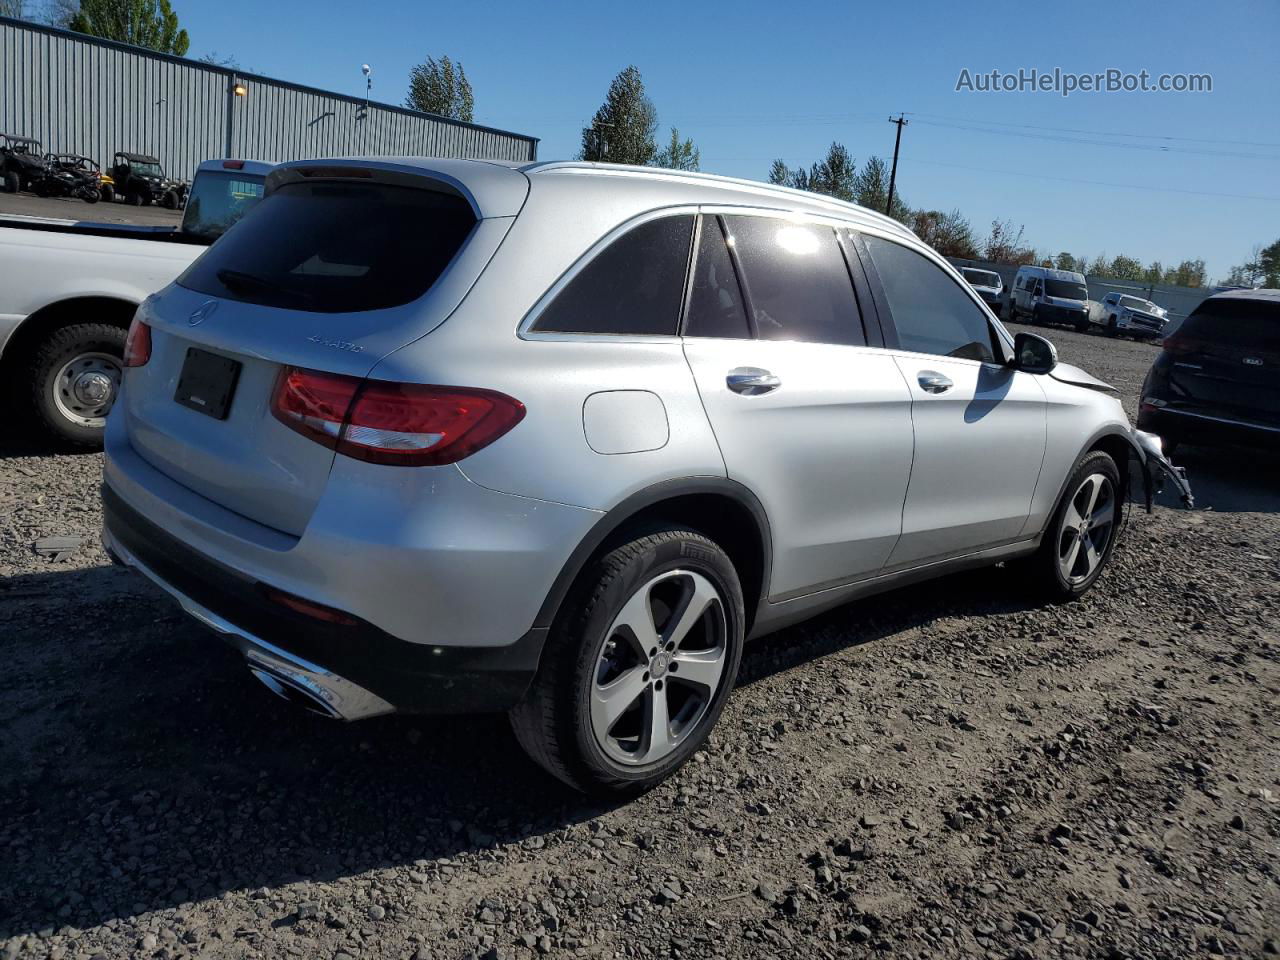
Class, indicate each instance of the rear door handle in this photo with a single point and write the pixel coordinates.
(933, 382)
(752, 381)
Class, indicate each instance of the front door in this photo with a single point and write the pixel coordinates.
(979, 426)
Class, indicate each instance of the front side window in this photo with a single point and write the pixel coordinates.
(633, 286)
(715, 300)
(796, 281)
(931, 312)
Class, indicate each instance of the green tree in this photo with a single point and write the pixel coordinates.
(1004, 245)
(836, 174)
(1189, 273)
(622, 129)
(678, 154)
(1269, 261)
(779, 174)
(441, 87)
(143, 23)
(1154, 273)
(1064, 261)
(1125, 268)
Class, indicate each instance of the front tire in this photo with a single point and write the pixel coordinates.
(1082, 532)
(108, 194)
(638, 665)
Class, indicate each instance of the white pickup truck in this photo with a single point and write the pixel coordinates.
(68, 290)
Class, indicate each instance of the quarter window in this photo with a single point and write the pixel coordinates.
(796, 281)
(931, 313)
(715, 299)
(633, 286)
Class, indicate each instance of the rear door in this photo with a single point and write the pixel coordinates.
(979, 426)
(809, 416)
(329, 273)
(1226, 357)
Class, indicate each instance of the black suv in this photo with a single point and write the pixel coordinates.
(21, 161)
(1217, 380)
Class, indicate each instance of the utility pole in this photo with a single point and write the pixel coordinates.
(893, 172)
(368, 89)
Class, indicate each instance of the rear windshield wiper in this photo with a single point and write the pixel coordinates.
(237, 281)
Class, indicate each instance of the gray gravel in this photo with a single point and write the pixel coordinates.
(943, 771)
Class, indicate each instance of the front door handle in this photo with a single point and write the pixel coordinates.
(752, 381)
(933, 382)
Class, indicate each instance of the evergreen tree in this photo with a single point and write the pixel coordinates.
(622, 129)
(143, 23)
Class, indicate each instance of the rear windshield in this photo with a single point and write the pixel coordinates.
(1065, 289)
(336, 248)
(218, 199)
(1242, 323)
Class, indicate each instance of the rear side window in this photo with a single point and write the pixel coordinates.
(797, 281)
(1238, 322)
(332, 247)
(634, 286)
(931, 312)
(715, 299)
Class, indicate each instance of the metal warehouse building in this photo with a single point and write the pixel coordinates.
(80, 94)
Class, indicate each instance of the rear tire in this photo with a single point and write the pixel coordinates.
(85, 353)
(1081, 534)
(170, 200)
(108, 194)
(612, 713)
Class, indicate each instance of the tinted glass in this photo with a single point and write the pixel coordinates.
(336, 247)
(633, 286)
(218, 200)
(715, 300)
(931, 312)
(1066, 289)
(1239, 322)
(797, 281)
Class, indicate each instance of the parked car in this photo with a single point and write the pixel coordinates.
(21, 160)
(139, 179)
(68, 290)
(1045, 295)
(1217, 378)
(446, 435)
(69, 175)
(1124, 315)
(988, 285)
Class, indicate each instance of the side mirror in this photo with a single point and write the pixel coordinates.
(1033, 354)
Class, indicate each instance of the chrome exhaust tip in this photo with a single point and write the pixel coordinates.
(297, 693)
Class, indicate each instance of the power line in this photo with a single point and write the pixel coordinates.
(1100, 133)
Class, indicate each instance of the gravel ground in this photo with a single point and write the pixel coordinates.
(937, 772)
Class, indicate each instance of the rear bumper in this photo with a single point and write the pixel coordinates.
(1206, 426)
(349, 671)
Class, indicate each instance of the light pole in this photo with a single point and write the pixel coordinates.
(368, 87)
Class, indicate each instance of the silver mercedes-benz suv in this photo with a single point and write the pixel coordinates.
(447, 435)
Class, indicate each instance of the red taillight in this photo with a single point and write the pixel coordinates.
(405, 424)
(317, 611)
(232, 164)
(1179, 344)
(137, 345)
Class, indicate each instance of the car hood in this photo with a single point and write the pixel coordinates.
(1066, 373)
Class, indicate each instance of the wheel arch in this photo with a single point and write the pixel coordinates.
(96, 308)
(722, 509)
(1115, 440)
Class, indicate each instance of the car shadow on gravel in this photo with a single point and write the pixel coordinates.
(1232, 479)
(143, 769)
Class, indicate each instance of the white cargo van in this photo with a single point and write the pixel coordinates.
(1045, 295)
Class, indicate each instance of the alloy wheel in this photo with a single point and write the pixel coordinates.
(660, 667)
(1087, 527)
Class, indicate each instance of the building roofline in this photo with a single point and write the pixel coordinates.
(818, 200)
(235, 74)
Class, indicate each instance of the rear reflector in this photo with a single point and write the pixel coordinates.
(317, 611)
(137, 345)
(404, 424)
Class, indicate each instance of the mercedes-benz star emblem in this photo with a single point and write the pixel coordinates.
(202, 313)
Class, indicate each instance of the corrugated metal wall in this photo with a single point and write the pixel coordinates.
(77, 94)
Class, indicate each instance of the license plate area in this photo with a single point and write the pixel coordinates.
(207, 383)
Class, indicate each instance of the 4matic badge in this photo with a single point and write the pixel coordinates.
(336, 344)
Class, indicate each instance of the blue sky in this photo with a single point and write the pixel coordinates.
(751, 81)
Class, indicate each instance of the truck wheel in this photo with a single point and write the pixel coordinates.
(108, 194)
(1081, 535)
(1113, 328)
(12, 183)
(133, 198)
(170, 200)
(75, 377)
(638, 665)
